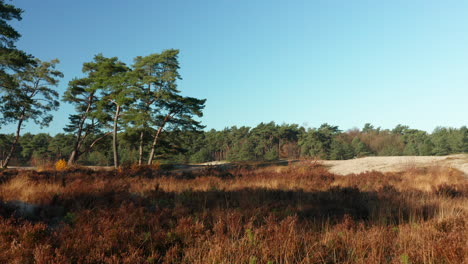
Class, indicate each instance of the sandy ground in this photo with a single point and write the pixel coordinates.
(214, 163)
(396, 163)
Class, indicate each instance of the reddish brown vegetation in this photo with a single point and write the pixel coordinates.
(292, 214)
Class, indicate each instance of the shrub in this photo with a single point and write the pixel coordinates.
(61, 165)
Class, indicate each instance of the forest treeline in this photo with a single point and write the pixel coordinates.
(265, 142)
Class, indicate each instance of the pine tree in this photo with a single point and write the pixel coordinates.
(32, 99)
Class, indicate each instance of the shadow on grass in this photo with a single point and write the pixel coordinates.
(385, 207)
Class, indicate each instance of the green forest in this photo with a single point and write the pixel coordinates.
(265, 142)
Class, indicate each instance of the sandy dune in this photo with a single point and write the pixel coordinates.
(396, 163)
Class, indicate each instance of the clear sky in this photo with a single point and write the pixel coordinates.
(300, 61)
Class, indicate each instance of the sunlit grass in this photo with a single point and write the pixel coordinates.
(299, 213)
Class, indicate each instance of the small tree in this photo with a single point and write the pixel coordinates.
(98, 100)
(154, 75)
(440, 139)
(111, 76)
(83, 95)
(360, 149)
(177, 112)
(159, 104)
(31, 99)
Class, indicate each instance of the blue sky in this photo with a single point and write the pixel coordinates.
(308, 62)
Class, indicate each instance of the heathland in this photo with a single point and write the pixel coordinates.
(248, 213)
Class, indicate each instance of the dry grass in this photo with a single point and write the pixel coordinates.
(287, 214)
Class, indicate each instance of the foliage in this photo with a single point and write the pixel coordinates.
(12, 60)
(61, 165)
(32, 99)
(143, 100)
(291, 214)
(266, 142)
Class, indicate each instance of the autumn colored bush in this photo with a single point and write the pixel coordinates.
(298, 213)
(61, 165)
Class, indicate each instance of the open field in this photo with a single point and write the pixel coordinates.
(300, 213)
(396, 163)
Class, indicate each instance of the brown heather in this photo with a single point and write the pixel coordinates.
(293, 214)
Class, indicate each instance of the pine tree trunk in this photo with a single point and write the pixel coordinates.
(73, 157)
(76, 148)
(156, 136)
(114, 136)
(13, 145)
(153, 146)
(140, 154)
(279, 148)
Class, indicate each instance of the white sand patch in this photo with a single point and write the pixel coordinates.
(396, 163)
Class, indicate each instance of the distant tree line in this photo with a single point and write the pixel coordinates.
(270, 141)
(265, 142)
